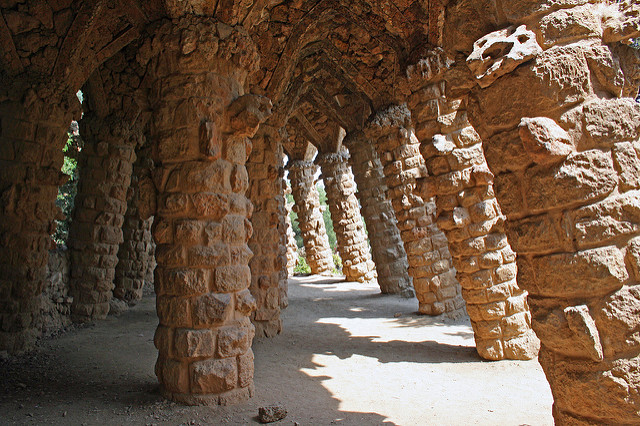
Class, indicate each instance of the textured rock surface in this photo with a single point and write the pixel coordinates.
(202, 223)
(307, 206)
(566, 182)
(268, 265)
(469, 215)
(548, 88)
(345, 214)
(430, 263)
(271, 413)
(292, 247)
(386, 244)
(136, 255)
(32, 136)
(106, 165)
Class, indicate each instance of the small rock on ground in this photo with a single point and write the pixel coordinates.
(272, 413)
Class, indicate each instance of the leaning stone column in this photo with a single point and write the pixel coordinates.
(430, 265)
(96, 230)
(33, 131)
(137, 247)
(565, 154)
(200, 133)
(292, 247)
(470, 216)
(307, 206)
(268, 242)
(345, 214)
(386, 244)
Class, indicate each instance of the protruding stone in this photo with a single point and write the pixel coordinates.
(500, 52)
(544, 140)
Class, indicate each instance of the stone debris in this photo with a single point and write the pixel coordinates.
(271, 413)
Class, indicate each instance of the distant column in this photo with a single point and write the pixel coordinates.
(430, 263)
(345, 214)
(307, 206)
(386, 244)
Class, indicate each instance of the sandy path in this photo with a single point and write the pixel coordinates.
(347, 356)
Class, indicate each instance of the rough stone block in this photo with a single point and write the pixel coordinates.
(174, 375)
(232, 278)
(173, 311)
(214, 375)
(245, 369)
(211, 309)
(194, 343)
(584, 176)
(627, 165)
(614, 217)
(587, 273)
(235, 340)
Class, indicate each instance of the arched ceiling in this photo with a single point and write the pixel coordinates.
(327, 64)
(330, 61)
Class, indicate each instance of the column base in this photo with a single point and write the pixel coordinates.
(231, 397)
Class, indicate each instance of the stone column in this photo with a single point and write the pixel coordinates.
(345, 214)
(565, 153)
(106, 164)
(386, 244)
(201, 125)
(137, 248)
(292, 247)
(430, 265)
(33, 131)
(307, 206)
(268, 243)
(469, 215)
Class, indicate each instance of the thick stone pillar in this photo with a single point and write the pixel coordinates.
(565, 153)
(307, 206)
(345, 214)
(430, 265)
(33, 131)
(137, 249)
(268, 242)
(201, 125)
(386, 244)
(469, 215)
(106, 164)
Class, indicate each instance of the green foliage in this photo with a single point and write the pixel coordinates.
(337, 261)
(67, 192)
(326, 216)
(295, 225)
(302, 267)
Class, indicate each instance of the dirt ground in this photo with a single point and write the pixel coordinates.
(348, 356)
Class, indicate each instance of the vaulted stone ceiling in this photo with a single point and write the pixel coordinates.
(334, 59)
(331, 62)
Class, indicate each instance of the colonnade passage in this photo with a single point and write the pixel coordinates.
(483, 157)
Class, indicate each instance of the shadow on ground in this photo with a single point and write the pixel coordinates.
(348, 355)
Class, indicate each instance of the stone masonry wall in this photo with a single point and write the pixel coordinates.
(386, 244)
(470, 216)
(33, 131)
(56, 301)
(292, 247)
(268, 242)
(201, 128)
(307, 206)
(430, 263)
(345, 214)
(136, 255)
(105, 167)
(565, 154)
